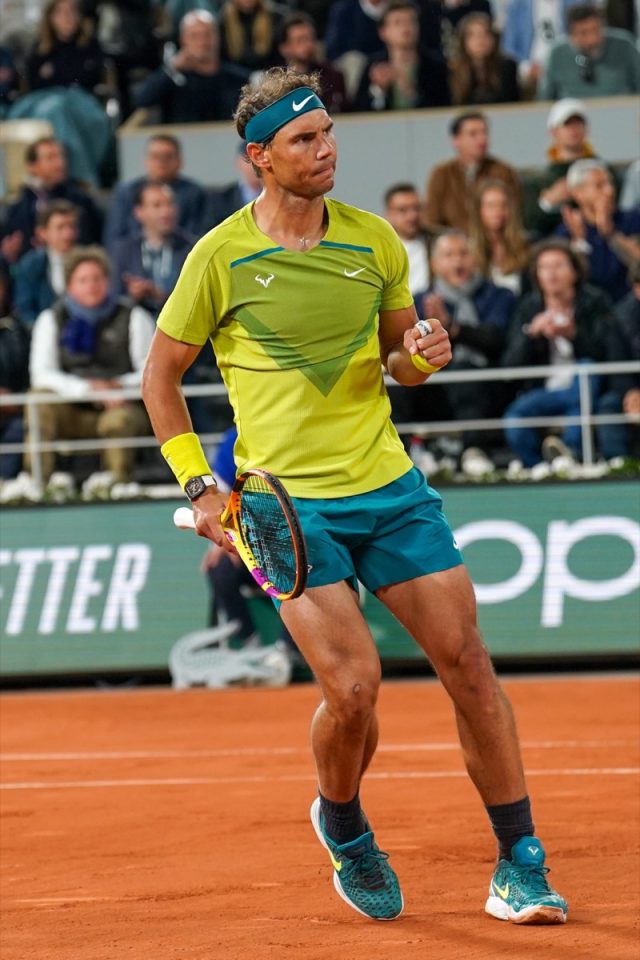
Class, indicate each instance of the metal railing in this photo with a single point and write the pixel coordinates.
(34, 445)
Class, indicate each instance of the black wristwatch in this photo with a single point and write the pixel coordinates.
(196, 486)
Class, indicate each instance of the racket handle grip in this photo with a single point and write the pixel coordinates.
(183, 518)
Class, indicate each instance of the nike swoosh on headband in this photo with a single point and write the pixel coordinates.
(298, 106)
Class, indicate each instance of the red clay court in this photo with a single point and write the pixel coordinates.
(174, 826)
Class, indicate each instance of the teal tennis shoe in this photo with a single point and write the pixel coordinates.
(519, 890)
(361, 873)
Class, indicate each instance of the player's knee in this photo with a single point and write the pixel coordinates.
(469, 669)
(353, 700)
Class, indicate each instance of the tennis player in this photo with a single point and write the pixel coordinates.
(305, 300)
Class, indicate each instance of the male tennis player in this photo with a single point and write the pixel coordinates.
(305, 299)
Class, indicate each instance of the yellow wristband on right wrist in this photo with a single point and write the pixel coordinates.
(423, 364)
(185, 456)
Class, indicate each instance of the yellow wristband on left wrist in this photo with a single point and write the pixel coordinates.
(185, 456)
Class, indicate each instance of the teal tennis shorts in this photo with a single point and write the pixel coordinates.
(389, 535)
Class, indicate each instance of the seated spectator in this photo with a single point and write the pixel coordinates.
(195, 86)
(66, 53)
(248, 33)
(476, 314)
(530, 30)
(39, 275)
(162, 164)
(402, 210)
(402, 76)
(14, 377)
(623, 390)
(609, 237)
(498, 240)
(47, 180)
(353, 25)
(90, 341)
(630, 193)
(223, 201)
(455, 10)
(147, 265)
(480, 73)
(593, 61)
(176, 10)
(561, 322)
(568, 127)
(298, 48)
(9, 81)
(452, 185)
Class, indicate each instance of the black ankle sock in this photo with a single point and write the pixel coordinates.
(510, 821)
(343, 821)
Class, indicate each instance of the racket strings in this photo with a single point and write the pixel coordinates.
(267, 533)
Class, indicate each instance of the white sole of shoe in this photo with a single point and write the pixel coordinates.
(314, 814)
(497, 908)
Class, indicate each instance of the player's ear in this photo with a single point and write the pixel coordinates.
(258, 155)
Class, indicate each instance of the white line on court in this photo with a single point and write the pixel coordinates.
(302, 778)
(287, 751)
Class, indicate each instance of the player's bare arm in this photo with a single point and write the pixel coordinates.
(400, 339)
(166, 364)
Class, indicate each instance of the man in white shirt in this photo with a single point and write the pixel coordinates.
(87, 342)
(403, 211)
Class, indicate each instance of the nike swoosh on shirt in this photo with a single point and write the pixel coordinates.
(353, 273)
(298, 106)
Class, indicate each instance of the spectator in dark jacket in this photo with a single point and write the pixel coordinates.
(195, 86)
(480, 72)
(46, 181)
(562, 321)
(147, 265)
(249, 32)
(477, 315)
(610, 238)
(162, 164)
(223, 201)
(402, 76)
(623, 390)
(14, 376)
(39, 276)
(66, 53)
(298, 48)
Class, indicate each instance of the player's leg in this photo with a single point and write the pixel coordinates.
(330, 631)
(451, 639)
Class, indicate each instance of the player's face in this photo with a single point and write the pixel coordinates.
(302, 155)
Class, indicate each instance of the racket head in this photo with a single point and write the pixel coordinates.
(261, 522)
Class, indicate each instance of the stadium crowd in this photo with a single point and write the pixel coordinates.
(521, 272)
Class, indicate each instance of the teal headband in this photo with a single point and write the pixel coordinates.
(269, 120)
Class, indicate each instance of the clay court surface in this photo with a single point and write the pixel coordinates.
(173, 826)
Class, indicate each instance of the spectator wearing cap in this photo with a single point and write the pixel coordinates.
(452, 185)
(594, 61)
(568, 127)
(163, 165)
(195, 86)
(607, 236)
(401, 76)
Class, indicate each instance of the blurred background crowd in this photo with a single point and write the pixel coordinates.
(542, 269)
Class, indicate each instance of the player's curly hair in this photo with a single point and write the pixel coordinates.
(276, 83)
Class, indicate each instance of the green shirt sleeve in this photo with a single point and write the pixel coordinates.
(395, 263)
(200, 298)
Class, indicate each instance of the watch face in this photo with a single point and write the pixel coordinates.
(194, 487)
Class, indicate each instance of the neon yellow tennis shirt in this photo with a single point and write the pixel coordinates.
(296, 340)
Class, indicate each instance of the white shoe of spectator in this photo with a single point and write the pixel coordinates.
(553, 447)
(475, 463)
(60, 487)
(22, 487)
(98, 485)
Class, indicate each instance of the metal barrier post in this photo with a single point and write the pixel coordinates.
(585, 414)
(33, 441)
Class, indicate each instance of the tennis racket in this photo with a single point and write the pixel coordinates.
(262, 524)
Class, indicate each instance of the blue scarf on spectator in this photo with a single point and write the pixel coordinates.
(79, 332)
